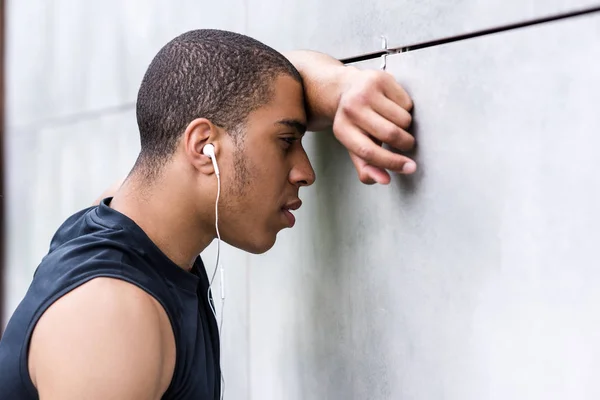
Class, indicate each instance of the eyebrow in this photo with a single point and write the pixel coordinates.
(295, 124)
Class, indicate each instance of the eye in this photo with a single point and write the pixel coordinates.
(289, 141)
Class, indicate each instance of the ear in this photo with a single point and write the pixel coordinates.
(199, 133)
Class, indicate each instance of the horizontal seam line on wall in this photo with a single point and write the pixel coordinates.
(470, 35)
(94, 114)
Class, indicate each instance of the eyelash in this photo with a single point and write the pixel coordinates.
(289, 142)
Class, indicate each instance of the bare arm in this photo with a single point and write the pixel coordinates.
(365, 109)
(107, 339)
(322, 75)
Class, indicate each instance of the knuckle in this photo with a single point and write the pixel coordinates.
(363, 177)
(337, 134)
(408, 142)
(367, 80)
(391, 133)
(343, 106)
(389, 78)
(339, 129)
(361, 97)
(377, 76)
(351, 106)
(336, 128)
(365, 152)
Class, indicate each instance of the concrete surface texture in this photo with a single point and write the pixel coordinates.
(347, 28)
(78, 56)
(474, 279)
(53, 171)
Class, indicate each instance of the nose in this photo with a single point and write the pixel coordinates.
(302, 173)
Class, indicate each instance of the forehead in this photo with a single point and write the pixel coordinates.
(286, 104)
(287, 92)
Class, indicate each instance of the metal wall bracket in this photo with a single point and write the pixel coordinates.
(384, 46)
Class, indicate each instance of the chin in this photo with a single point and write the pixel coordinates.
(256, 246)
(260, 248)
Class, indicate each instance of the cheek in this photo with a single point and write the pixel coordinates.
(243, 186)
(256, 185)
(266, 170)
(241, 172)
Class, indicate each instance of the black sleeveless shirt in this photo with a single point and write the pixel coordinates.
(101, 242)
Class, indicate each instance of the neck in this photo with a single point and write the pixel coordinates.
(164, 211)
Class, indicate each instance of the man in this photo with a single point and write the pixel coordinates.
(118, 309)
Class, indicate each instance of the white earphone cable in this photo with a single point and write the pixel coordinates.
(220, 329)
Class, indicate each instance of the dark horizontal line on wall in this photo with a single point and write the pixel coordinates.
(93, 114)
(470, 35)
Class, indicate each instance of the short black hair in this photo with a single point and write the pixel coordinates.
(219, 75)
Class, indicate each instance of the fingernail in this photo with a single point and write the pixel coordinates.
(409, 167)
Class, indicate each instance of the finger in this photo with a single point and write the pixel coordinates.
(363, 174)
(368, 174)
(384, 130)
(395, 92)
(363, 147)
(392, 112)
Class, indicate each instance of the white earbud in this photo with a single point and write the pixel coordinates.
(209, 150)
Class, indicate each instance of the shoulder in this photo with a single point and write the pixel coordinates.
(69, 228)
(105, 339)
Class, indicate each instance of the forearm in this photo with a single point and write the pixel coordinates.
(324, 78)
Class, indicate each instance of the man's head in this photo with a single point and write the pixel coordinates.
(229, 90)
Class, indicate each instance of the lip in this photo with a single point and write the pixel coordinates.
(291, 205)
(290, 217)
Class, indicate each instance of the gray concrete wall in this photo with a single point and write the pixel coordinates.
(347, 28)
(474, 279)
